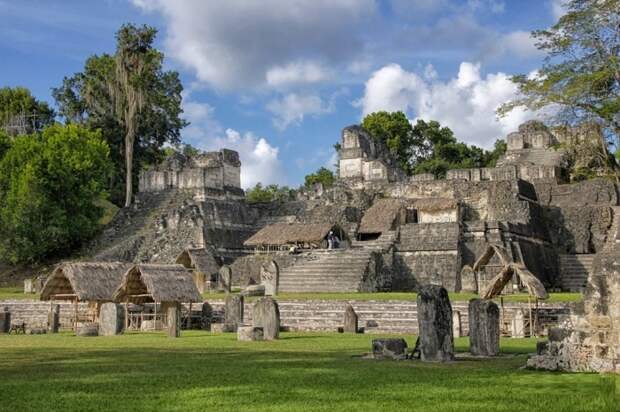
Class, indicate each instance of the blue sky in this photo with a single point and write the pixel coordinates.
(277, 80)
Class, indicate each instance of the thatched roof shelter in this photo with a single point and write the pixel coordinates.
(533, 285)
(381, 216)
(280, 234)
(200, 260)
(157, 283)
(84, 281)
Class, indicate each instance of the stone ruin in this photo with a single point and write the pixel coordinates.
(404, 231)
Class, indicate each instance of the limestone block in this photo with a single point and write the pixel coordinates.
(269, 277)
(28, 286)
(350, 320)
(389, 349)
(87, 329)
(39, 282)
(36, 331)
(222, 328)
(249, 333)
(254, 290)
(435, 324)
(174, 321)
(5, 320)
(518, 324)
(233, 311)
(111, 319)
(205, 317)
(266, 315)
(53, 319)
(224, 279)
(457, 329)
(483, 327)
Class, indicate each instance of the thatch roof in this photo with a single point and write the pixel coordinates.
(380, 216)
(88, 281)
(290, 233)
(434, 204)
(496, 285)
(157, 283)
(201, 260)
(488, 254)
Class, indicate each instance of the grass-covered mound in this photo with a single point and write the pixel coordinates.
(309, 371)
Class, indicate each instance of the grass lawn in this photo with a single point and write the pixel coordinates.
(15, 293)
(309, 372)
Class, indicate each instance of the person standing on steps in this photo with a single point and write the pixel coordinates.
(332, 241)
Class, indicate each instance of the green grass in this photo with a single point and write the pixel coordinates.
(300, 372)
(15, 293)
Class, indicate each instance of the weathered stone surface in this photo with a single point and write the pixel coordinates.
(206, 316)
(174, 321)
(269, 276)
(233, 311)
(518, 324)
(36, 331)
(350, 320)
(111, 319)
(483, 327)
(389, 349)
(435, 324)
(457, 328)
(29, 286)
(266, 315)
(5, 320)
(249, 333)
(224, 279)
(87, 329)
(253, 290)
(223, 328)
(53, 319)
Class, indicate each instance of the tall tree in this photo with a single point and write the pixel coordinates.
(129, 96)
(21, 112)
(322, 175)
(395, 131)
(580, 76)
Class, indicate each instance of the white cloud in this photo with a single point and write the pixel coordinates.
(297, 73)
(235, 44)
(466, 103)
(558, 8)
(260, 160)
(519, 44)
(292, 108)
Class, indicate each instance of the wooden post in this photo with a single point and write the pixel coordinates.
(189, 317)
(155, 316)
(75, 315)
(126, 313)
(529, 304)
(501, 301)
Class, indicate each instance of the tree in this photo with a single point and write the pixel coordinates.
(21, 113)
(129, 96)
(49, 185)
(395, 131)
(580, 77)
(323, 176)
(269, 193)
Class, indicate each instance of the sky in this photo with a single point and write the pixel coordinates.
(277, 80)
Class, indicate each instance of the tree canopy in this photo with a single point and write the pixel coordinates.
(50, 184)
(135, 103)
(269, 193)
(21, 112)
(322, 175)
(580, 77)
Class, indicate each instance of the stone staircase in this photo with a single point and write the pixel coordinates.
(339, 270)
(574, 271)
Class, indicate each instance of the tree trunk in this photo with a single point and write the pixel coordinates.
(129, 169)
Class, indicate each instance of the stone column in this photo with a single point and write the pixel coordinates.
(111, 319)
(483, 327)
(518, 324)
(53, 319)
(174, 320)
(269, 277)
(233, 312)
(5, 320)
(350, 320)
(435, 324)
(266, 315)
(457, 327)
(28, 286)
(205, 319)
(224, 279)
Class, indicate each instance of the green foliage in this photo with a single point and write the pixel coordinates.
(49, 184)
(269, 193)
(110, 93)
(395, 131)
(323, 176)
(21, 113)
(581, 73)
(148, 371)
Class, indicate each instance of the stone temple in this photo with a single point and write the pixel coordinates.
(398, 232)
